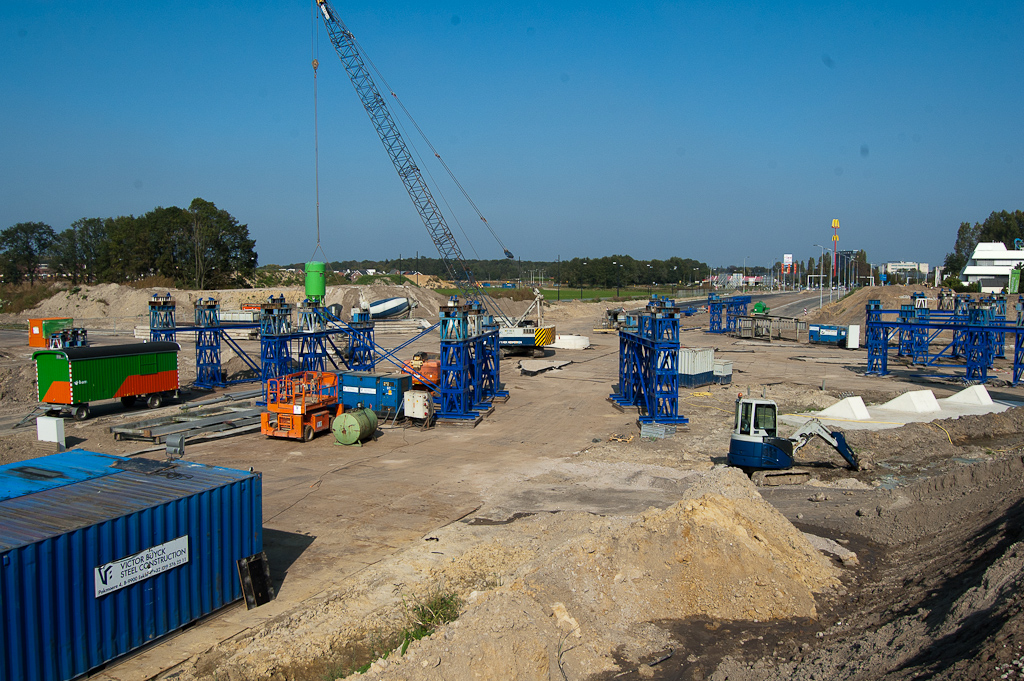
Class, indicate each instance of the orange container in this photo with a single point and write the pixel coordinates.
(39, 330)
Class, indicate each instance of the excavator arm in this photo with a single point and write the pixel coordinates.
(813, 428)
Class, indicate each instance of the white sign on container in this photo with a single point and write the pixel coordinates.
(135, 568)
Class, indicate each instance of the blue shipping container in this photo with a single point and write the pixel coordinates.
(826, 333)
(102, 554)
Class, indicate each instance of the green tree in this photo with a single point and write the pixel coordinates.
(64, 256)
(222, 252)
(1003, 226)
(967, 237)
(21, 248)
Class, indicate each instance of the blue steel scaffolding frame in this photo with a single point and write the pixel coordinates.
(275, 332)
(455, 391)
(471, 357)
(976, 336)
(649, 365)
(207, 321)
(360, 342)
(734, 307)
(161, 318)
(312, 336)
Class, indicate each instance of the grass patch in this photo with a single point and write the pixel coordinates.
(423, 618)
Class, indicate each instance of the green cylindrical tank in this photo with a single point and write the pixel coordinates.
(353, 426)
(316, 280)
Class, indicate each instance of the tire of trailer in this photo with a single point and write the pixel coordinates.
(80, 412)
(154, 401)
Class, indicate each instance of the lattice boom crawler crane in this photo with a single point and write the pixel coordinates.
(513, 334)
(756, 447)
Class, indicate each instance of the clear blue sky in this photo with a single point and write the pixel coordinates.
(712, 130)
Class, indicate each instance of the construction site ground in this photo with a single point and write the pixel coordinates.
(580, 550)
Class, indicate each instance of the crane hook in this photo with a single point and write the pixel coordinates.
(316, 65)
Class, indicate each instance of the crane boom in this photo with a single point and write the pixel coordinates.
(380, 115)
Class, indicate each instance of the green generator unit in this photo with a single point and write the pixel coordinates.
(70, 378)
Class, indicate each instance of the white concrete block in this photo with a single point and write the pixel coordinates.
(915, 402)
(50, 429)
(571, 342)
(976, 394)
(849, 408)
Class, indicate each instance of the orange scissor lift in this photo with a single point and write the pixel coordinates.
(301, 405)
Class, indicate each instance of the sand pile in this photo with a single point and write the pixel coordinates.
(850, 310)
(721, 552)
(567, 590)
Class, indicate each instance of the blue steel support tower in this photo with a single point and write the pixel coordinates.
(877, 336)
(491, 360)
(919, 337)
(736, 306)
(208, 368)
(649, 365)
(360, 342)
(455, 389)
(715, 306)
(275, 331)
(999, 314)
(1018, 342)
(961, 314)
(161, 318)
(905, 347)
(477, 355)
(312, 336)
(980, 342)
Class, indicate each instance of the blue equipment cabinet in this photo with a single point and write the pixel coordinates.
(379, 392)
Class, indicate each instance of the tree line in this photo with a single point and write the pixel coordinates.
(200, 247)
(607, 271)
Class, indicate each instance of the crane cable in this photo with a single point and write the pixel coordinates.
(434, 151)
(314, 48)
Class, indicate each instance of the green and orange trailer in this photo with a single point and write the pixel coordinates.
(70, 378)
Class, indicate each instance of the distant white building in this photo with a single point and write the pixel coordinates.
(901, 266)
(990, 265)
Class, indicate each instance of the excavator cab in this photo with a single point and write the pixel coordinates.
(755, 442)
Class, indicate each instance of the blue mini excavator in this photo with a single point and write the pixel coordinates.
(756, 447)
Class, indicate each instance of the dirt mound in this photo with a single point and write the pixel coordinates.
(18, 384)
(565, 590)
(122, 307)
(850, 310)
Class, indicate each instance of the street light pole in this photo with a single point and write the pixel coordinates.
(821, 278)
